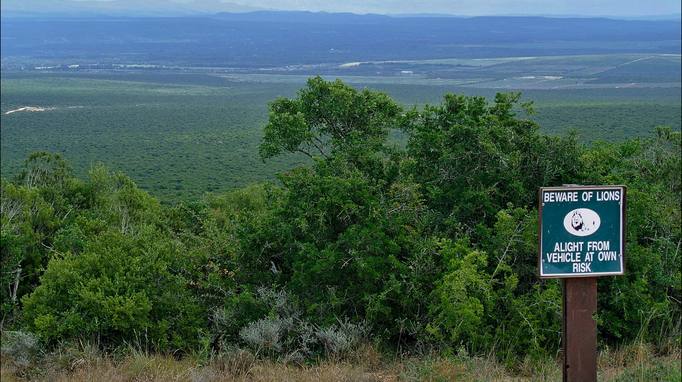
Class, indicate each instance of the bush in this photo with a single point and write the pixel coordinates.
(282, 332)
(117, 288)
(21, 347)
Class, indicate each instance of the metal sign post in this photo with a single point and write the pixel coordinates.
(582, 236)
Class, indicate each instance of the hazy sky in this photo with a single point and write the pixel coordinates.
(477, 7)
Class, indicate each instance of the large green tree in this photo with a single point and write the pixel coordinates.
(327, 118)
(345, 236)
(471, 159)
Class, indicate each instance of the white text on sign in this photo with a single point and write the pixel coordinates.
(572, 252)
(572, 196)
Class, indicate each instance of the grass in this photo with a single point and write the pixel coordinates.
(84, 362)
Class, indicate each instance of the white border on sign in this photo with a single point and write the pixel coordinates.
(622, 231)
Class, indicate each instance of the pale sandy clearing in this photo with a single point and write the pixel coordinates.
(28, 108)
(350, 64)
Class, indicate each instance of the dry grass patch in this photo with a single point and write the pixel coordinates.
(83, 362)
(639, 362)
(326, 372)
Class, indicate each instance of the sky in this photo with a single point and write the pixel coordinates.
(477, 7)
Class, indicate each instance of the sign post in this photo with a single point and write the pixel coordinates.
(582, 236)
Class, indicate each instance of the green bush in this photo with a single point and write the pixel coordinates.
(118, 289)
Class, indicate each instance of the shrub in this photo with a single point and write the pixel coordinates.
(338, 340)
(118, 286)
(21, 347)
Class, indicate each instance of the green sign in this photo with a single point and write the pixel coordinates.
(582, 231)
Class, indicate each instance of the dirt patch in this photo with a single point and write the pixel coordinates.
(36, 108)
(27, 108)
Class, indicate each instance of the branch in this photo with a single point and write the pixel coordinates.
(501, 258)
(304, 152)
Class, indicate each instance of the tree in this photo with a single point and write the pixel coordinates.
(327, 117)
(471, 159)
(346, 232)
(35, 205)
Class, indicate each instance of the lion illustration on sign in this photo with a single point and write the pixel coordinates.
(577, 222)
(582, 222)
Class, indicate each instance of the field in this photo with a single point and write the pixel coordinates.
(179, 135)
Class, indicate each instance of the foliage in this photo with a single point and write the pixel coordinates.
(175, 136)
(495, 303)
(347, 222)
(430, 244)
(110, 276)
(35, 205)
(471, 159)
(117, 287)
(614, 121)
(22, 348)
(178, 135)
(328, 114)
(461, 292)
(466, 166)
(645, 302)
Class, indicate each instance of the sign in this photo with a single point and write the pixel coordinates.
(582, 231)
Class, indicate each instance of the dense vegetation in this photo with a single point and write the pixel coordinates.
(176, 140)
(433, 243)
(178, 136)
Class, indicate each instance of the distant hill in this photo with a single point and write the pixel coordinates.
(165, 8)
(265, 39)
(65, 8)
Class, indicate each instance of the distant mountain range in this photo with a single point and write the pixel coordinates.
(152, 8)
(268, 39)
(42, 8)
